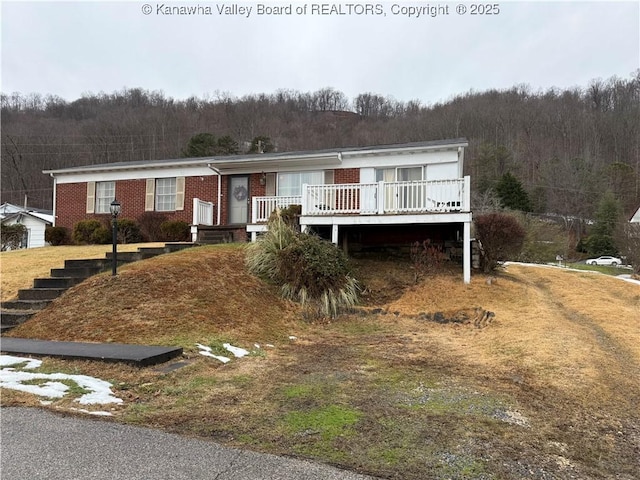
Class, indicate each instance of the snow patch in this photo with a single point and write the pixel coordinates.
(236, 351)
(50, 385)
(206, 351)
(8, 360)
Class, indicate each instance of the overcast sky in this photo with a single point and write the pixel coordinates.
(71, 48)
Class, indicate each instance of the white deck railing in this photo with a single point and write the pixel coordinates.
(381, 198)
(387, 197)
(263, 207)
(202, 212)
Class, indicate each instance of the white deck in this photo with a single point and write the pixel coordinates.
(372, 199)
(381, 203)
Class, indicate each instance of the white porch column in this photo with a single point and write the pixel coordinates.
(254, 236)
(334, 234)
(466, 252)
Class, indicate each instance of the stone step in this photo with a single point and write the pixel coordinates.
(75, 272)
(213, 237)
(15, 317)
(125, 257)
(40, 293)
(177, 246)
(25, 304)
(152, 250)
(58, 282)
(87, 263)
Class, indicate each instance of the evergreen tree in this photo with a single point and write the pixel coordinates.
(200, 145)
(227, 146)
(512, 194)
(601, 241)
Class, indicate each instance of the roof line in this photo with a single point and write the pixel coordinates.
(278, 156)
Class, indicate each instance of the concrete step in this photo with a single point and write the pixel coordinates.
(40, 293)
(15, 317)
(75, 272)
(213, 237)
(125, 257)
(177, 246)
(152, 250)
(87, 263)
(24, 304)
(58, 282)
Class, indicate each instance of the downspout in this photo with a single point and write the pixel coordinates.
(217, 172)
(55, 184)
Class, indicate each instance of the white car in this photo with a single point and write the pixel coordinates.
(605, 260)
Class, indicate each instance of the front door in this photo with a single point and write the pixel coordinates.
(239, 200)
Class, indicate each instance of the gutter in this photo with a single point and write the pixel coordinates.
(55, 184)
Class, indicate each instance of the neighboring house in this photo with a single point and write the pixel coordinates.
(36, 221)
(359, 197)
(636, 217)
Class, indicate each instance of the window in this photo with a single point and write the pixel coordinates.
(290, 184)
(105, 194)
(165, 194)
(405, 174)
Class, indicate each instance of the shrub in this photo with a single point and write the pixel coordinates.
(87, 232)
(425, 257)
(290, 215)
(316, 273)
(102, 235)
(56, 235)
(12, 236)
(262, 256)
(150, 226)
(175, 231)
(128, 231)
(501, 237)
(308, 269)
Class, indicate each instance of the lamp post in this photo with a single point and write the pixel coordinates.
(114, 208)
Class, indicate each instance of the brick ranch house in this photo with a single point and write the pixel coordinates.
(359, 197)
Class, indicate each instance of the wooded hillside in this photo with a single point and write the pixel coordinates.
(566, 147)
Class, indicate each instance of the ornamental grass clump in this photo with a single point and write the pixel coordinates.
(308, 269)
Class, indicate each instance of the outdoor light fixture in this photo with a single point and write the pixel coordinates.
(263, 179)
(114, 208)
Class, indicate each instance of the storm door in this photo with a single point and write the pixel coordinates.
(239, 200)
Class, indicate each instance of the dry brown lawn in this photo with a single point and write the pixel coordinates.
(19, 268)
(548, 388)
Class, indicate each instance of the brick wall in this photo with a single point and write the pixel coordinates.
(346, 175)
(71, 200)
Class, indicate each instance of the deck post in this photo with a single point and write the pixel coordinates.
(466, 252)
(380, 197)
(334, 234)
(304, 202)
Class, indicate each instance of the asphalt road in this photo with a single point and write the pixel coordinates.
(36, 444)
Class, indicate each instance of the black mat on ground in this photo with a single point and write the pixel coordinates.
(140, 355)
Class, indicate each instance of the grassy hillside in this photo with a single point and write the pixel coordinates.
(535, 375)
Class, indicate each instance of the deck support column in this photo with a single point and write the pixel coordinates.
(334, 234)
(466, 252)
